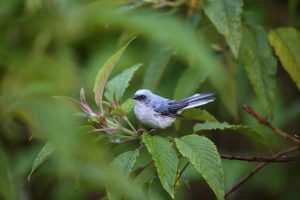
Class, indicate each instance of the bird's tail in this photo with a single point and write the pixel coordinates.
(198, 100)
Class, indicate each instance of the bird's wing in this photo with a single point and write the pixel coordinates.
(169, 108)
(174, 106)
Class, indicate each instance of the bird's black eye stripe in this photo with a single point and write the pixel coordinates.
(141, 97)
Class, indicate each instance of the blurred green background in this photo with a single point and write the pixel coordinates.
(54, 47)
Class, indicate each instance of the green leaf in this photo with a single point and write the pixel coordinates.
(246, 130)
(104, 73)
(118, 84)
(226, 17)
(157, 67)
(260, 64)
(189, 82)
(128, 105)
(124, 162)
(165, 159)
(203, 155)
(144, 176)
(118, 111)
(42, 156)
(286, 42)
(156, 191)
(198, 114)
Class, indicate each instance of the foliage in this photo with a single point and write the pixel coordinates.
(231, 47)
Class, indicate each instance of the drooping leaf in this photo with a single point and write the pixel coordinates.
(118, 84)
(42, 156)
(68, 99)
(124, 162)
(145, 176)
(188, 83)
(128, 105)
(226, 17)
(260, 64)
(165, 159)
(104, 73)
(198, 114)
(203, 155)
(246, 130)
(286, 42)
(156, 191)
(156, 68)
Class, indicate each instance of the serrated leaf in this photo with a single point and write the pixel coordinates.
(189, 82)
(104, 73)
(118, 84)
(246, 130)
(203, 155)
(42, 156)
(198, 114)
(260, 64)
(226, 17)
(124, 162)
(156, 191)
(128, 105)
(165, 159)
(156, 68)
(286, 42)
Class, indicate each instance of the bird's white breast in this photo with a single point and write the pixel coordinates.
(149, 117)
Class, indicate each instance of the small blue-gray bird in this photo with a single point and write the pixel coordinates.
(158, 112)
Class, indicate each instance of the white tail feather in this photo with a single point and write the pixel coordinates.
(198, 103)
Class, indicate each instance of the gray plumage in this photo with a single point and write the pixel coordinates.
(158, 112)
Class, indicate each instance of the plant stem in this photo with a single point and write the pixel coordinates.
(182, 170)
(129, 123)
(127, 131)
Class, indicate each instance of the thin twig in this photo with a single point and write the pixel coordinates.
(266, 123)
(260, 159)
(129, 123)
(105, 129)
(259, 167)
(182, 170)
(144, 167)
(192, 7)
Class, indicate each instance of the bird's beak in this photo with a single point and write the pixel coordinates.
(134, 97)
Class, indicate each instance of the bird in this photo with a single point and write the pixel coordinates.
(158, 112)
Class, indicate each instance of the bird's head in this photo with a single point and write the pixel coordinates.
(142, 96)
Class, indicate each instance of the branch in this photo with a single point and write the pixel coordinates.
(259, 167)
(266, 123)
(260, 159)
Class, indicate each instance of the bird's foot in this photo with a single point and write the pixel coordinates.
(140, 131)
(152, 131)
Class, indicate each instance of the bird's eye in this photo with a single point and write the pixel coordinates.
(143, 97)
